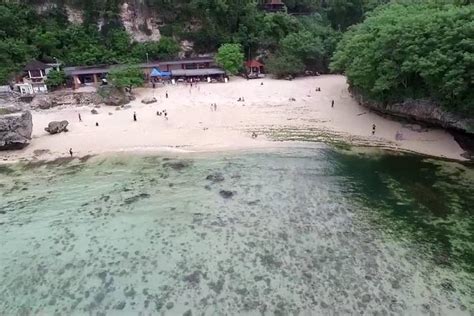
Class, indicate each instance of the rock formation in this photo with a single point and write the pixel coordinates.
(56, 127)
(15, 130)
(149, 100)
(425, 111)
(111, 95)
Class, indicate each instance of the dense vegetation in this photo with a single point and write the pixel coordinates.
(307, 37)
(413, 51)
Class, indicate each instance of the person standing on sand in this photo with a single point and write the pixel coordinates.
(166, 94)
(332, 103)
(135, 116)
(215, 107)
(97, 124)
(70, 151)
(373, 129)
(80, 118)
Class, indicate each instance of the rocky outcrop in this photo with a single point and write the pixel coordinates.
(139, 21)
(43, 102)
(56, 127)
(15, 130)
(425, 111)
(149, 100)
(111, 95)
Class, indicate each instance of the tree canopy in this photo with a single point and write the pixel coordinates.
(127, 77)
(26, 34)
(413, 51)
(230, 57)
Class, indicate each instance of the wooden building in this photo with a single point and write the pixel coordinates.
(255, 69)
(34, 79)
(181, 68)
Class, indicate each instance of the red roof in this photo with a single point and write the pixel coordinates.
(253, 64)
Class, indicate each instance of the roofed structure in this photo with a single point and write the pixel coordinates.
(273, 5)
(36, 65)
(197, 72)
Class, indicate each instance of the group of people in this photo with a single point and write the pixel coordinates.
(164, 113)
(213, 107)
(158, 113)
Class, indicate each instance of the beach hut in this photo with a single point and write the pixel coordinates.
(254, 69)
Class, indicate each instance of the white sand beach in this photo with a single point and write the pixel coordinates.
(192, 126)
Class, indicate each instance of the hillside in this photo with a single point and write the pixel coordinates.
(84, 32)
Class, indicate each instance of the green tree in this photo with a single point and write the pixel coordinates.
(127, 77)
(282, 65)
(165, 48)
(230, 57)
(344, 13)
(56, 78)
(412, 51)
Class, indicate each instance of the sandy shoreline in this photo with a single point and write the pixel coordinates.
(193, 127)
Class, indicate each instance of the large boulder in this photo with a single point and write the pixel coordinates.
(15, 130)
(56, 127)
(149, 100)
(111, 95)
(43, 102)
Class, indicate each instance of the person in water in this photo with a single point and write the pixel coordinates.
(70, 151)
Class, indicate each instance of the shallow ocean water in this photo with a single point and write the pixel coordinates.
(295, 231)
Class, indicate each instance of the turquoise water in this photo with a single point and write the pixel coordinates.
(297, 231)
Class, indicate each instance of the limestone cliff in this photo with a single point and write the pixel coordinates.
(15, 130)
(425, 111)
(138, 20)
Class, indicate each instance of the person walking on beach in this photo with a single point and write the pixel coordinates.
(166, 94)
(166, 115)
(332, 103)
(80, 118)
(134, 116)
(70, 151)
(373, 129)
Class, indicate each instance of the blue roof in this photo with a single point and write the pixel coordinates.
(157, 73)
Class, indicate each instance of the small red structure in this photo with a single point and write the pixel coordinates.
(274, 5)
(255, 69)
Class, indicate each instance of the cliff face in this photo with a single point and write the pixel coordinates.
(425, 111)
(139, 21)
(15, 130)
